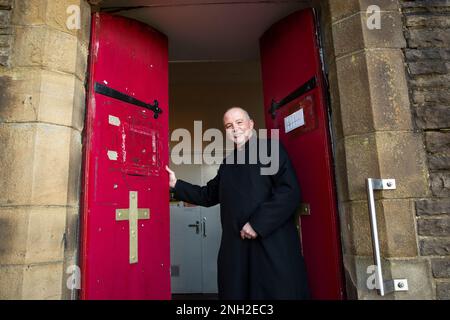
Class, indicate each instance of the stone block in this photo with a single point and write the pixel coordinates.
(386, 155)
(5, 18)
(354, 96)
(341, 172)
(441, 268)
(81, 61)
(418, 272)
(437, 142)
(426, 21)
(11, 279)
(74, 178)
(440, 184)
(341, 9)
(361, 161)
(55, 14)
(46, 235)
(348, 35)
(428, 67)
(31, 151)
(433, 116)
(427, 54)
(375, 94)
(14, 225)
(19, 96)
(31, 234)
(428, 38)
(42, 96)
(16, 171)
(45, 47)
(71, 272)
(439, 162)
(394, 150)
(32, 12)
(361, 273)
(353, 34)
(358, 229)
(42, 281)
(72, 231)
(62, 100)
(435, 246)
(4, 60)
(51, 154)
(433, 227)
(360, 277)
(436, 96)
(396, 230)
(400, 231)
(431, 207)
(335, 103)
(388, 90)
(6, 3)
(443, 290)
(430, 81)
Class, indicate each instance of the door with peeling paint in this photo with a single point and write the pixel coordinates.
(125, 237)
(294, 99)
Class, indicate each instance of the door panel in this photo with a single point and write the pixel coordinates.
(186, 254)
(126, 254)
(290, 61)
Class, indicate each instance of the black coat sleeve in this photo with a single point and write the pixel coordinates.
(205, 196)
(284, 200)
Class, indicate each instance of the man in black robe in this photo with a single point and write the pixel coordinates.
(259, 256)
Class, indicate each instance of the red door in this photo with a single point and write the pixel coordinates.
(294, 103)
(125, 213)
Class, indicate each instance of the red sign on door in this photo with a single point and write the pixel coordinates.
(294, 95)
(125, 211)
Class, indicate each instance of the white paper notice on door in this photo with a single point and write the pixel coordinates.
(294, 121)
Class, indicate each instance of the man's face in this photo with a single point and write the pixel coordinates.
(238, 126)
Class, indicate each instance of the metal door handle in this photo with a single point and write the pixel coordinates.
(388, 286)
(204, 227)
(196, 226)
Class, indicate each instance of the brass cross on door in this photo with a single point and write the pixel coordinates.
(133, 214)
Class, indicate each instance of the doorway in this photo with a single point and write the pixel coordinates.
(196, 231)
(219, 67)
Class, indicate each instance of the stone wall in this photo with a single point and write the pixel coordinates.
(42, 102)
(5, 32)
(427, 54)
(374, 137)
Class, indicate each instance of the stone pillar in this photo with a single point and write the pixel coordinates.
(374, 136)
(42, 102)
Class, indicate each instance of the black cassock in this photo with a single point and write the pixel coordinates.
(270, 266)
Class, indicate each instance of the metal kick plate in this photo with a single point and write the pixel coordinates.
(383, 184)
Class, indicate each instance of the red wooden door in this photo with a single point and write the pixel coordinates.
(292, 78)
(125, 213)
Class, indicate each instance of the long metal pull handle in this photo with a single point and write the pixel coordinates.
(204, 227)
(388, 286)
(196, 226)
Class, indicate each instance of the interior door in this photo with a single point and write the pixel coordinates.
(186, 244)
(195, 237)
(294, 103)
(125, 251)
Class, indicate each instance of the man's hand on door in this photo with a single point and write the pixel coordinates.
(172, 177)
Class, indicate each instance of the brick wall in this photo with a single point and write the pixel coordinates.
(5, 32)
(427, 54)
